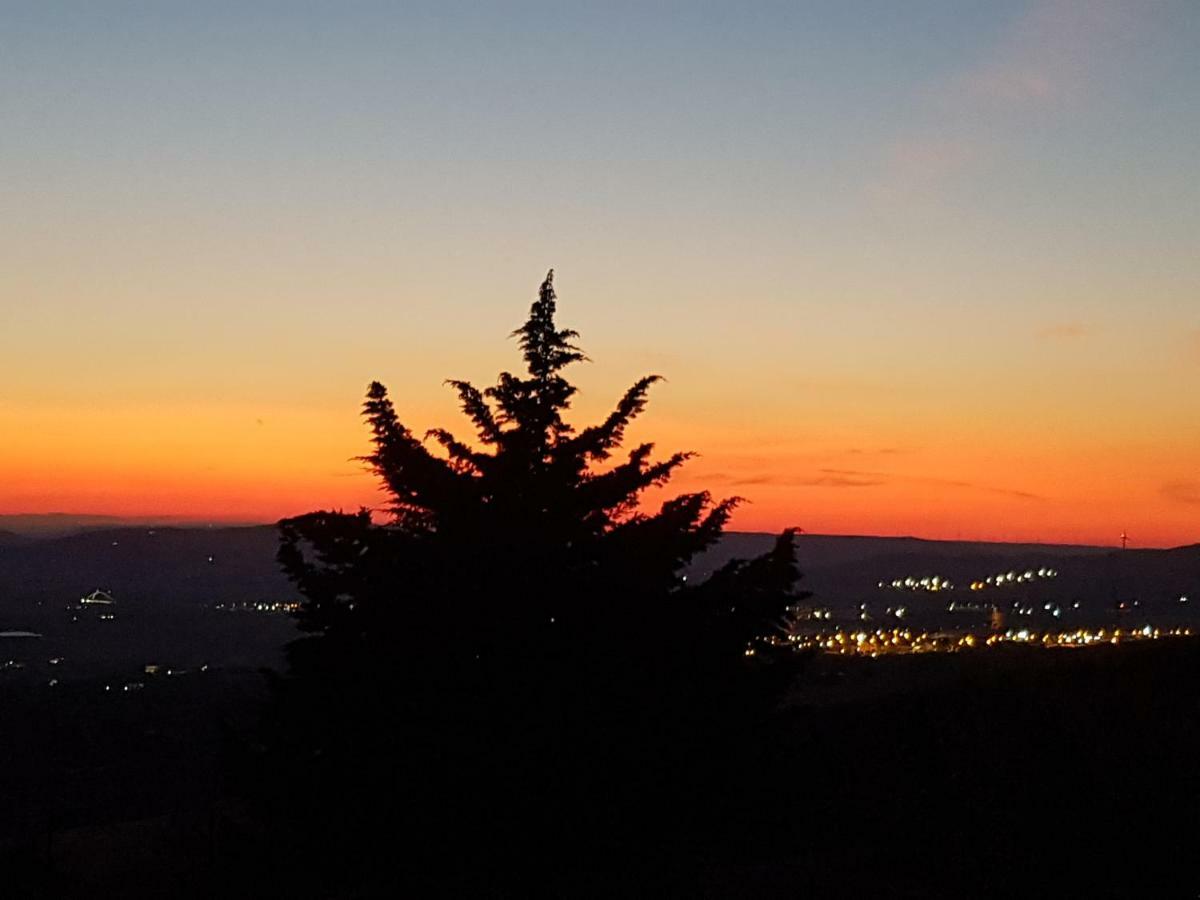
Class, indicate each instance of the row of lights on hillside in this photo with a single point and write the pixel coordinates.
(1006, 578)
(902, 641)
(926, 583)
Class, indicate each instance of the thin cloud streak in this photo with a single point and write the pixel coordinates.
(940, 482)
(1049, 55)
(1045, 59)
(827, 480)
(1065, 331)
(854, 478)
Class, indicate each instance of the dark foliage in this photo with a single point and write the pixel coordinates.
(516, 634)
(755, 591)
(526, 537)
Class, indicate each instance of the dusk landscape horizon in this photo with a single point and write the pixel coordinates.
(911, 272)
(59, 523)
(599, 449)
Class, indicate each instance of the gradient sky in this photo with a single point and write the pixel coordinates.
(920, 268)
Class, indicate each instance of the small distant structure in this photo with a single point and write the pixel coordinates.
(98, 598)
(997, 619)
(1124, 539)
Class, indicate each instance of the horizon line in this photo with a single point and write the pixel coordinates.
(184, 520)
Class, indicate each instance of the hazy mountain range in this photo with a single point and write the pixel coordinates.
(190, 596)
(61, 523)
(237, 563)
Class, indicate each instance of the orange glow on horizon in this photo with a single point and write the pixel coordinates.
(246, 465)
(899, 284)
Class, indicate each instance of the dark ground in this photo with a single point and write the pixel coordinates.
(1012, 772)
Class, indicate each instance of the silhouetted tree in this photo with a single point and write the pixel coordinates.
(517, 626)
(524, 538)
(757, 594)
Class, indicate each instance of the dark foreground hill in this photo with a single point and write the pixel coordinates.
(1020, 774)
(1016, 773)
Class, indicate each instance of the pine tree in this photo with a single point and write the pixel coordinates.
(512, 658)
(524, 538)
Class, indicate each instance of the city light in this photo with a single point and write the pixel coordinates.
(936, 583)
(904, 641)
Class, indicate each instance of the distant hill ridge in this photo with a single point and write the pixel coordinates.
(822, 551)
(155, 555)
(58, 524)
(162, 567)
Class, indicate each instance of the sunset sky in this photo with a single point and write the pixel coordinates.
(925, 268)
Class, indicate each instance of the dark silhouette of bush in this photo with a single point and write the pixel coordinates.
(515, 641)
